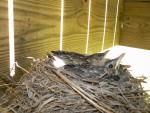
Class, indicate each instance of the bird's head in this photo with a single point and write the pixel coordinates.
(113, 64)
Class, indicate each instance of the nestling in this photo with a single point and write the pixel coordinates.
(77, 58)
(88, 70)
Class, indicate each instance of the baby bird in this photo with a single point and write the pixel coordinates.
(97, 58)
(88, 70)
(77, 58)
(70, 57)
(113, 65)
(85, 70)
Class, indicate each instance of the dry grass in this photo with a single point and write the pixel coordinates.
(46, 89)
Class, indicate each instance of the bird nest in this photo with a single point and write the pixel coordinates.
(49, 89)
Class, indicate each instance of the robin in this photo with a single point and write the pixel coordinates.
(70, 57)
(77, 58)
(87, 70)
(97, 58)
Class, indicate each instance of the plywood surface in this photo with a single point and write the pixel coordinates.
(97, 24)
(37, 28)
(136, 25)
(4, 50)
(37, 24)
(137, 0)
(75, 25)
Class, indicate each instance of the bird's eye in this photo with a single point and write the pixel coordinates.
(110, 66)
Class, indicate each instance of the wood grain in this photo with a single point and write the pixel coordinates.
(75, 25)
(136, 25)
(111, 17)
(37, 25)
(37, 28)
(97, 25)
(4, 49)
(4, 46)
(137, 1)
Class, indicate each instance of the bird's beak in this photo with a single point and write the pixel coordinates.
(118, 60)
(125, 66)
(105, 52)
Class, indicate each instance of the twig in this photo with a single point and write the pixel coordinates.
(9, 84)
(45, 102)
(84, 94)
(21, 67)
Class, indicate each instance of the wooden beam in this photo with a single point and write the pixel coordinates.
(4, 44)
(37, 28)
(136, 25)
(75, 25)
(97, 25)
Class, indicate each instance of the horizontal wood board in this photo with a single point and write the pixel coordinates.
(37, 28)
(135, 30)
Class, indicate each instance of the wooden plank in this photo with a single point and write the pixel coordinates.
(76, 22)
(119, 22)
(4, 49)
(37, 28)
(75, 25)
(137, 0)
(136, 25)
(97, 25)
(111, 17)
(37, 25)
(4, 46)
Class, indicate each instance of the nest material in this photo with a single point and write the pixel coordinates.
(46, 89)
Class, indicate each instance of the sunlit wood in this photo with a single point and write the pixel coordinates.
(11, 38)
